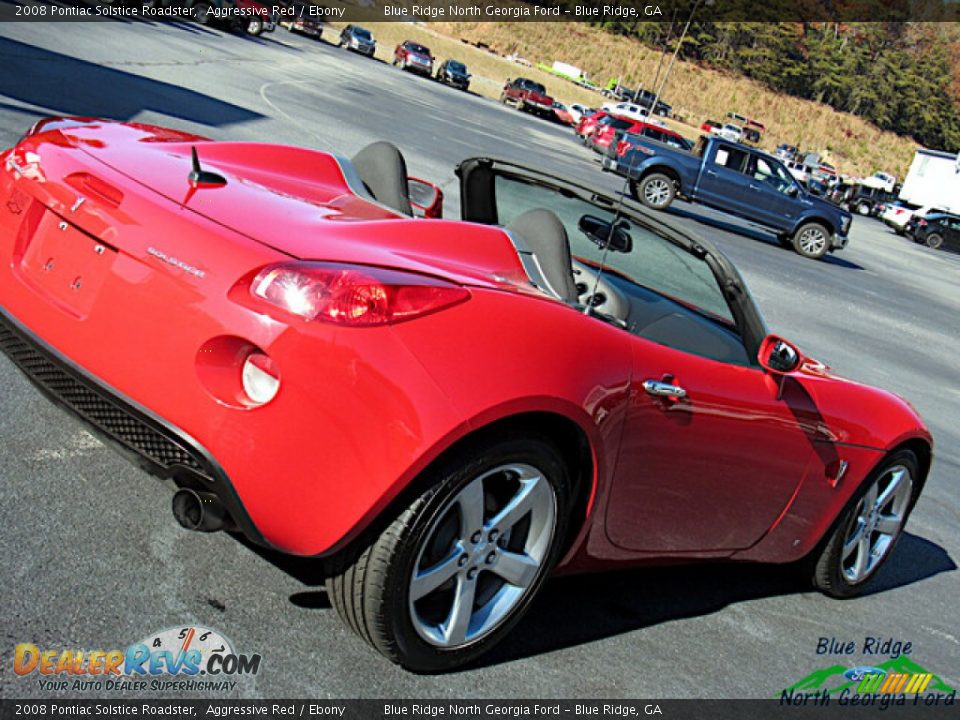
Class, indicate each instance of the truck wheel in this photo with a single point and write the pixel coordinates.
(656, 191)
(811, 240)
(934, 240)
(255, 27)
(863, 209)
(457, 569)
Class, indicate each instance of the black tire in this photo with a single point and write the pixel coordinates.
(827, 563)
(656, 191)
(202, 11)
(805, 240)
(934, 240)
(371, 593)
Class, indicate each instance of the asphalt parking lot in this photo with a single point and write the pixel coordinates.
(92, 557)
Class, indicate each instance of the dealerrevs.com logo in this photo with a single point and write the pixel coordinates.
(190, 658)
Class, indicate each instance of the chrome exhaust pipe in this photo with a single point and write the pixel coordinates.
(199, 511)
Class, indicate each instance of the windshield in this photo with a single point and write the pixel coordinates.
(419, 49)
(653, 263)
(361, 33)
(456, 67)
(647, 284)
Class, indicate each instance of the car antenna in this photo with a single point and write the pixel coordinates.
(606, 247)
(199, 176)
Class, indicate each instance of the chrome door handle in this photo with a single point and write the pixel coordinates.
(754, 187)
(711, 173)
(662, 389)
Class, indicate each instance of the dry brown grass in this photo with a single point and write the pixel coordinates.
(696, 93)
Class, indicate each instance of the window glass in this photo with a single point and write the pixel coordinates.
(731, 158)
(653, 264)
(772, 174)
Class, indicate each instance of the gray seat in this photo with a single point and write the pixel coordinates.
(546, 237)
(383, 171)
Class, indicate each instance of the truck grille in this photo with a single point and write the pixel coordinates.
(97, 406)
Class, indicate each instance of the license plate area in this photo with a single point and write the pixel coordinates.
(66, 265)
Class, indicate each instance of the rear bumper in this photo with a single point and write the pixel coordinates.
(136, 433)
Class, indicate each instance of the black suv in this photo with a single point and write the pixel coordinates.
(453, 72)
(934, 230)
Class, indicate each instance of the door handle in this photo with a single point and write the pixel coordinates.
(754, 187)
(658, 388)
(711, 173)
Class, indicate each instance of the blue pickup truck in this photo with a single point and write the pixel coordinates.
(736, 179)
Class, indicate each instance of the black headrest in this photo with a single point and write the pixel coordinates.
(384, 172)
(546, 237)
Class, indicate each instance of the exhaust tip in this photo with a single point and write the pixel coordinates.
(201, 512)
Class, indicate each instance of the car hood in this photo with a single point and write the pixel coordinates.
(825, 205)
(294, 200)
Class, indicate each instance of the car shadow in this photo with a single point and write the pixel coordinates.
(754, 234)
(580, 609)
(62, 85)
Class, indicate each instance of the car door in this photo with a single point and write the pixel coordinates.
(713, 469)
(722, 183)
(771, 193)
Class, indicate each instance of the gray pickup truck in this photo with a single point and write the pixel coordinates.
(736, 179)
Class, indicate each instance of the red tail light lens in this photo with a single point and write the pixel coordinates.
(921, 222)
(354, 295)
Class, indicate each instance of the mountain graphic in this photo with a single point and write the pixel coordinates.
(831, 680)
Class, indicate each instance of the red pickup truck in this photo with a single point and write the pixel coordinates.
(528, 95)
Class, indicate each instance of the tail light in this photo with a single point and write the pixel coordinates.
(353, 295)
(921, 223)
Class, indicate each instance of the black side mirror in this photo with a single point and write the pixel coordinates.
(604, 234)
(778, 356)
(793, 191)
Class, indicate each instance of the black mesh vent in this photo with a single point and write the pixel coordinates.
(95, 405)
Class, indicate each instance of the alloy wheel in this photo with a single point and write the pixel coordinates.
(813, 241)
(876, 524)
(656, 192)
(481, 554)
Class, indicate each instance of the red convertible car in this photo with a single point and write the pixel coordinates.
(447, 411)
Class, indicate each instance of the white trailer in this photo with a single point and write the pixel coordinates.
(933, 180)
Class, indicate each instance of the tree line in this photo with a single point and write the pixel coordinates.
(903, 76)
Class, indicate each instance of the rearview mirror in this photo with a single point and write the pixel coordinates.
(425, 197)
(601, 232)
(778, 356)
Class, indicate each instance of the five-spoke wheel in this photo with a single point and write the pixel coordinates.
(865, 534)
(458, 567)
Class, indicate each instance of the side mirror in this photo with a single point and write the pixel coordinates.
(793, 191)
(425, 197)
(603, 234)
(778, 356)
